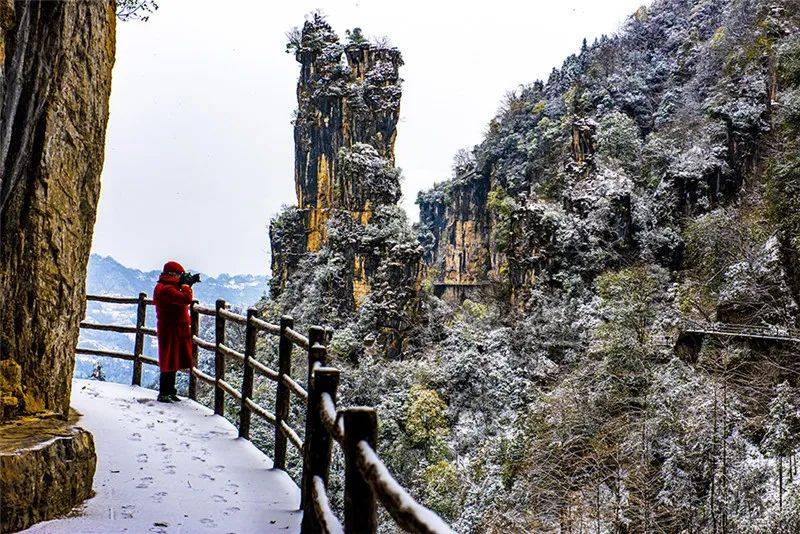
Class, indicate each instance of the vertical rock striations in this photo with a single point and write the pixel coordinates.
(346, 243)
(456, 233)
(348, 100)
(57, 80)
(340, 104)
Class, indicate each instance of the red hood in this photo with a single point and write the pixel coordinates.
(168, 279)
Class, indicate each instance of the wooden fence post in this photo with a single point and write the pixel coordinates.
(247, 374)
(219, 360)
(360, 504)
(195, 351)
(316, 354)
(319, 441)
(138, 344)
(282, 393)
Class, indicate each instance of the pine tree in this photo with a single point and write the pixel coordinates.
(781, 435)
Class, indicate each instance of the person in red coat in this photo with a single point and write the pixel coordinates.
(172, 298)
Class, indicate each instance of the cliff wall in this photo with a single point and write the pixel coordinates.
(348, 99)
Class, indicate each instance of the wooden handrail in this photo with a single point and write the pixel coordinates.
(230, 316)
(367, 480)
(330, 417)
(227, 351)
(120, 329)
(296, 337)
(106, 353)
(407, 513)
(112, 299)
(270, 417)
(322, 508)
(265, 326)
(202, 343)
(202, 310)
(208, 379)
(294, 386)
(263, 370)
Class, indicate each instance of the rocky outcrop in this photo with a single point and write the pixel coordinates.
(46, 467)
(57, 80)
(455, 224)
(340, 103)
(348, 98)
(10, 389)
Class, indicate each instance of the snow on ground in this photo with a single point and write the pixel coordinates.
(173, 468)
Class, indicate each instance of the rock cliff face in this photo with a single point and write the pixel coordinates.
(346, 242)
(577, 176)
(348, 100)
(57, 74)
(340, 104)
(46, 466)
(456, 227)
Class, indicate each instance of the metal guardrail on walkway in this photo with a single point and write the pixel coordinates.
(768, 332)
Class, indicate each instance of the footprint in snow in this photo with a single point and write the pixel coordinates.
(198, 458)
(208, 522)
(144, 482)
(219, 468)
(128, 510)
(207, 476)
(141, 458)
(231, 510)
(169, 469)
(219, 498)
(135, 437)
(158, 497)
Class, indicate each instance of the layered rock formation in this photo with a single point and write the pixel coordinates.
(340, 105)
(46, 466)
(57, 80)
(348, 99)
(346, 248)
(459, 255)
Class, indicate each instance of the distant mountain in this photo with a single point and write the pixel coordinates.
(106, 276)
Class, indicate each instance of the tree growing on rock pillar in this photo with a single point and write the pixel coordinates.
(57, 59)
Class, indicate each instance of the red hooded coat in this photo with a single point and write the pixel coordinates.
(174, 326)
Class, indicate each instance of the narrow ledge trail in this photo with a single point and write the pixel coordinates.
(173, 468)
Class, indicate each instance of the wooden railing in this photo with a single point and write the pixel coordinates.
(366, 478)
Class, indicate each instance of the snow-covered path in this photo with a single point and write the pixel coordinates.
(173, 468)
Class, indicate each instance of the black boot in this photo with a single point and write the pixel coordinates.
(164, 388)
(173, 393)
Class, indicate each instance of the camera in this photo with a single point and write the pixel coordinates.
(189, 279)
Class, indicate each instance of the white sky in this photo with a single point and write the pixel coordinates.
(199, 148)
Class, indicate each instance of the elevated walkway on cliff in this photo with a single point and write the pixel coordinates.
(692, 336)
(742, 331)
(202, 472)
(173, 468)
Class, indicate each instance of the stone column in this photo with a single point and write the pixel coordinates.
(57, 61)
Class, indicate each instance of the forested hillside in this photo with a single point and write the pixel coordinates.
(535, 372)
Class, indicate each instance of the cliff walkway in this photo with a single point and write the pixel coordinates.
(367, 481)
(769, 333)
(691, 338)
(173, 468)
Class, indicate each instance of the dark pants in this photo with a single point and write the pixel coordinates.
(166, 384)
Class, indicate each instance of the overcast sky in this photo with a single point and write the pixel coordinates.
(199, 149)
